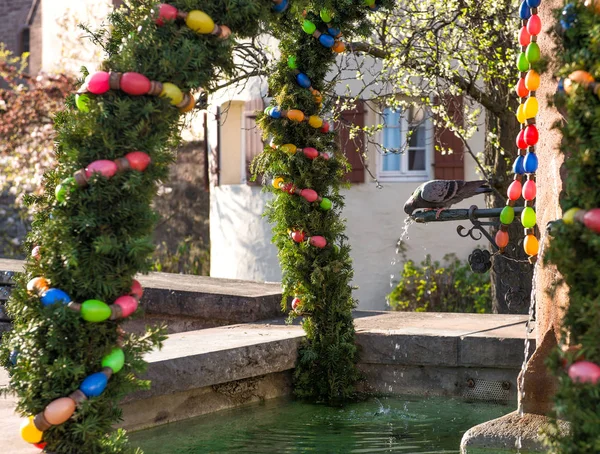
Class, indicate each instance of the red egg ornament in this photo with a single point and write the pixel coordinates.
(298, 236)
(584, 372)
(136, 289)
(514, 190)
(534, 25)
(310, 153)
(325, 128)
(135, 84)
(98, 83)
(102, 166)
(138, 160)
(521, 144)
(318, 241)
(288, 187)
(529, 190)
(524, 37)
(531, 135)
(296, 303)
(521, 89)
(166, 12)
(501, 239)
(591, 220)
(309, 194)
(41, 445)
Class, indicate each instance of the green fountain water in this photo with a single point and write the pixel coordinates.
(386, 424)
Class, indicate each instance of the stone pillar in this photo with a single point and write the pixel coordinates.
(539, 384)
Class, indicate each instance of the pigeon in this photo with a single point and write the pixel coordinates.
(441, 194)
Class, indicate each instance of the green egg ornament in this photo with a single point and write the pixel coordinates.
(528, 218)
(325, 15)
(292, 62)
(507, 215)
(522, 62)
(95, 311)
(325, 204)
(309, 27)
(115, 360)
(82, 102)
(532, 53)
(63, 189)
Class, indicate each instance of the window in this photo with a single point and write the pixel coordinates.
(406, 145)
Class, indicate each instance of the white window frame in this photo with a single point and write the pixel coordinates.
(404, 175)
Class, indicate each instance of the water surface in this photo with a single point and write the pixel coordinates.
(386, 424)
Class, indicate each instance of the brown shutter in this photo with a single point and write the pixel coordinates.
(450, 166)
(214, 151)
(355, 147)
(252, 137)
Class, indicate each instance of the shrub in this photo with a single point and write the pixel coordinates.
(431, 287)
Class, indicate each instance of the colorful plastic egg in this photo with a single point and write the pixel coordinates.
(501, 239)
(298, 236)
(531, 135)
(310, 153)
(530, 163)
(532, 53)
(594, 5)
(94, 385)
(521, 144)
(13, 357)
(29, 432)
(53, 296)
(325, 204)
(521, 114)
(560, 86)
(82, 101)
(326, 40)
(115, 360)
(200, 22)
(529, 190)
(172, 92)
(289, 148)
(531, 245)
(165, 12)
(520, 88)
(569, 215)
(315, 121)
(98, 83)
(308, 27)
(37, 285)
(59, 410)
(569, 16)
(325, 128)
(135, 84)
(191, 103)
(103, 166)
(35, 253)
(138, 160)
(533, 3)
(289, 188)
(318, 241)
(95, 311)
(524, 11)
(128, 304)
(534, 25)
(339, 47)
(518, 165)
(41, 445)
(522, 63)
(532, 80)
(280, 7)
(591, 219)
(274, 112)
(64, 188)
(303, 80)
(296, 303)
(309, 194)
(277, 182)
(581, 77)
(291, 61)
(514, 190)
(136, 289)
(295, 115)
(531, 107)
(507, 215)
(584, 372)
(528, 217)
(326, 15)
(335, 32)
(369, 3)
(524, 37)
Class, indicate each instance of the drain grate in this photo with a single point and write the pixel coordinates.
(491, 391)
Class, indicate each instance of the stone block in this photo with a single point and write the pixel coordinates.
(496, 352)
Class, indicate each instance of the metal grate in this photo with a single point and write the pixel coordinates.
(491, 391)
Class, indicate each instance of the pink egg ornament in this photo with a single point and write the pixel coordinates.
(102, 166)
(165, 12)
(514, 190)
(310, 153)
(135, 84)
(529, 190)
(136, 289)
(584, 372)
(128, 304)
(318, 241)
(98, 83)
(591, 219)
(138, 160)
(309, 194)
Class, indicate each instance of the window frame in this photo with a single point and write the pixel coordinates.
(404, 175)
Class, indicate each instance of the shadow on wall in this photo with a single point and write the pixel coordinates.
(182, 232)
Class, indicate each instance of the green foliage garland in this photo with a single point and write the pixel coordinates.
(574, 248)
(93, 244)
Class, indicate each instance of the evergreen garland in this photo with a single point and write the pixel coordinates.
(574, 247)
(93, 243)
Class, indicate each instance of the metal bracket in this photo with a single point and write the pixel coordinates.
(478, 230)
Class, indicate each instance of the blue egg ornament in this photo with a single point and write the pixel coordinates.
(530, 163)
(94, 384)
(303, 80)
(518, 166)
(326, 40)
(53, 296)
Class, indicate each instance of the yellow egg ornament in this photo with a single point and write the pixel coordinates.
(531, 108)
(521, 114)
(29, 432)
(315, 122)
(172, 92)
(569, 216)
(277, 182)
(289, 148)
(200, 22)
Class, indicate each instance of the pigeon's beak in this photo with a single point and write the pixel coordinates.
(408, 207)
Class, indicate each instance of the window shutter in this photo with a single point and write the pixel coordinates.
(213, 149)
(355, 147)
(450, 166)
(253, 144)
(117, 3)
